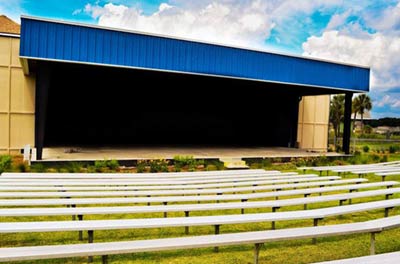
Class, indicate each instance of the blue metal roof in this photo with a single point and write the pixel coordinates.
(60, 41)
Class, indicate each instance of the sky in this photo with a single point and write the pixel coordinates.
(364, 32)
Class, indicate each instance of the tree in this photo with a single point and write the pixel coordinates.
(336, 112)
(360, 104)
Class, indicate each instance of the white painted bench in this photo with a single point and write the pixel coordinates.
(387, 258)
(216, 221)
(125, 176)
(159, 181)
(274, 204)
(384, 174)
(181, 189)
(154, 184)
(258, 238)
(306, 191)
(145, 175)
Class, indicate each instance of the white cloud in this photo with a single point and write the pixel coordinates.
(378, 51)
(389, 100)
(223, 21)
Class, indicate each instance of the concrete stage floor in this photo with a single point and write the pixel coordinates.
(149, 152)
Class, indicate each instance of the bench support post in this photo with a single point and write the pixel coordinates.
(80, 218)
(274, 209)
(165, 213)
(315, 223)
(372, 247)
(217, 233)
(305, 196)
(90, 240)
(257, 248)
(186, 227)
(104, 259)
(387, 211)
(242, 210)
(387, 196)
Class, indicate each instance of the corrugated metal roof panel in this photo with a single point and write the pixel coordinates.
(52, 40)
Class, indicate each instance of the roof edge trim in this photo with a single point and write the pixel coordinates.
(190, 73)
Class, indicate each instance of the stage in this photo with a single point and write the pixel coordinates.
(168, 152)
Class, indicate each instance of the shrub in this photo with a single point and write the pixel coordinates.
(187, 161)
(104, 165)
(357, 153)
(22, 167)
(74, 167)
(113, 164)
(365, 148)
(141, 166)
(38, 167)
(375, 157)
(5, 163)
(393, 149)
(211, 167)
(158, 165)
(384, 158)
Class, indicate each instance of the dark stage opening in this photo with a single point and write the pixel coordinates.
(100, 106)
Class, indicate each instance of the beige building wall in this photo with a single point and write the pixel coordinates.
(313, 123)
(17, 100)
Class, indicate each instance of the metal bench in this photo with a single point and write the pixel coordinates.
(257, 238)
(387, 258)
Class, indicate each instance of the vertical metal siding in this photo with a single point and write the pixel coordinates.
(50, 40)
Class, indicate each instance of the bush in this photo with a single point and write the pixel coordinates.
(5, 163)
(384, 158)
(74, 167)
(22, 167)
(141, 166)
(365, 148)
(104, 165)
(38, 167)
(375, 157)
(187, 161)
(211, 167)
(393, 149)
(159, 165)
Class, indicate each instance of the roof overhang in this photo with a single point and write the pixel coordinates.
(51, 40)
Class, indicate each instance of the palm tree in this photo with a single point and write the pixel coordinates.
(360, 104)
(336, 113)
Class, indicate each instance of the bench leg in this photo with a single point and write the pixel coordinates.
(372, 247)
(104, 259)
(73, 216)
(80, 218)
(273, 222)
(217, 233)
(242, 210)
(314, 240)
(305, 205)
(165, 213)
(186, 227)
(387, 211)
(257, 248)
(148, 204)
(387, 196)
(90, 240)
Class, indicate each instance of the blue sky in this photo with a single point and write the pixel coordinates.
(365, 32)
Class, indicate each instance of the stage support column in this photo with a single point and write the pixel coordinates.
(347, 122)
(42, 93)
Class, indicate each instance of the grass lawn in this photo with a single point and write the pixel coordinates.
(299, 251)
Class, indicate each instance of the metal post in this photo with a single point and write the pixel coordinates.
(372, 247)
(165, 213)
(347, 123)
(80, 218)
(387, 211)
(104, 259)
(242, 210)
(257, 248)
(217, 233)
(186, 227)
(314, 240)
(305, 205)
(90, 240)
